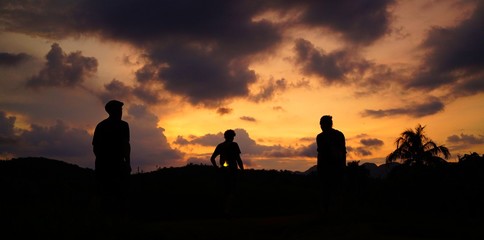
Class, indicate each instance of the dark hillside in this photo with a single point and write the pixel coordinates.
(40, 178)
(194, 191)
(39, 194)
(50, 197)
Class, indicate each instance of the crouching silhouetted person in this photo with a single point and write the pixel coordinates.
(230, 163)
(331, 163)
(112, 165)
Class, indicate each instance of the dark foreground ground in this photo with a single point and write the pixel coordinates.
(52, 199)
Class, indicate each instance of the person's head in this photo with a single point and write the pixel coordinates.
(229, 135)
(326, 122)
(114, 108)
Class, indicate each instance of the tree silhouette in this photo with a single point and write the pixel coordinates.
(473, 157)
(415, 148)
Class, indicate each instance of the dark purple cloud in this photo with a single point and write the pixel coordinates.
(180, 140)
(146, 73)
(460, 142)
(148, 95)
(310, 150)
(7, 133)
(366, 146)
(248, 119)
(359, 151)
(455, 57)
(208, 139)
(58, 141)
(150, 148)
(224, 110)
(250, 147)
(12, 59)
(371, 142)
(464, 141)
(200, 76)
(253, 153)
(63, 70)
(267, 92)
(359, 21)
(198, 50)
(194, 49)
(115, 90)
(376, 78)
(231, 21)
(343, 67)
(432, 106)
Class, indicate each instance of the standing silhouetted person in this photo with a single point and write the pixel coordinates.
(331, 164)
(112, 150)
(230, 163)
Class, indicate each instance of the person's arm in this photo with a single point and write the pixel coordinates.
(318, 143)
(215, 153)
(127, 149)
(343, 149)
(95, 141)
(239, 162)
(128, 156)
(239, 159)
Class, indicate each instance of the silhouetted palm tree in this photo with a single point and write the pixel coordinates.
(414, 148)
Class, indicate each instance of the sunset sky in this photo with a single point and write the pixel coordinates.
(189, 70)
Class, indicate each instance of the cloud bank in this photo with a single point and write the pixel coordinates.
(63, 70)
(60, 141)
(12, 59)
(199, 50)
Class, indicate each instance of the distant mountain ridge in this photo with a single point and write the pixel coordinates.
(380, 171)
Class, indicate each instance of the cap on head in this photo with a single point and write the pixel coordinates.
(229, 133)
(113, 105)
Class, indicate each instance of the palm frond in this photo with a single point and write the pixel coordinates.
(414, 147)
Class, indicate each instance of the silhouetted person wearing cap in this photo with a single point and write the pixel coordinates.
(230, 163)
(112, 150)
(331, 163)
